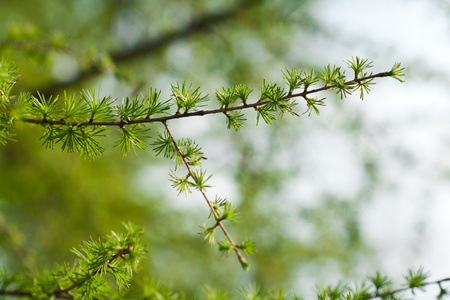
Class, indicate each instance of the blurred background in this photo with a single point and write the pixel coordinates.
(363, 187)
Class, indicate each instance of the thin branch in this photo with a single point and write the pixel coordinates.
(204, 23)
(2, 94)
(23, 293)
(392, 293)
(219, 222)
(199, 112)
(17, 293)
(327, 87)
(65, 293)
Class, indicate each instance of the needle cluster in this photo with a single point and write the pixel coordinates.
(103, 267)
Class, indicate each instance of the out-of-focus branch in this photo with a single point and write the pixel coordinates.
(204, 23)
(15, 246)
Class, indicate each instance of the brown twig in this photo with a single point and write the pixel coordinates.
(219, 222)
(65, 293)
(392, 293)
(3, 94)
(223, 110)
(23, 293)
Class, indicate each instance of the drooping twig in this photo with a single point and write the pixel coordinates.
(219, 222)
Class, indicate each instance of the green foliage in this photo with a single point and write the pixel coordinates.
(118, 255)
(75, 109)
(312, 105)
(76, 124)
(235, 119)
(274, 98)
(76, 138)
(8, 77)
(6, 128)
(132, 138)
(99, 110)
(227, 211)
(225, 247)
(209, 233)
(416, 278)
(131, 109)
(380, 282)
(65, 121)
(80, 122)
(443, 292)
(331, 292)
(153, 105)
(191, 151)
(187, 98)
(181, 184)
(46, 108)
(154, 289)
(359, 65)
(230, 96)
(243, 91)
(396, 72)
(213, 294)
(105, 268)
(226, 96)
(164, 145)
(293, 79)
(248, 247)
(252, 292)
(380, 286)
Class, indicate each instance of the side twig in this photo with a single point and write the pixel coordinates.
(219, 222)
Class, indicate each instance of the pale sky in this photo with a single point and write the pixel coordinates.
(408, 219)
